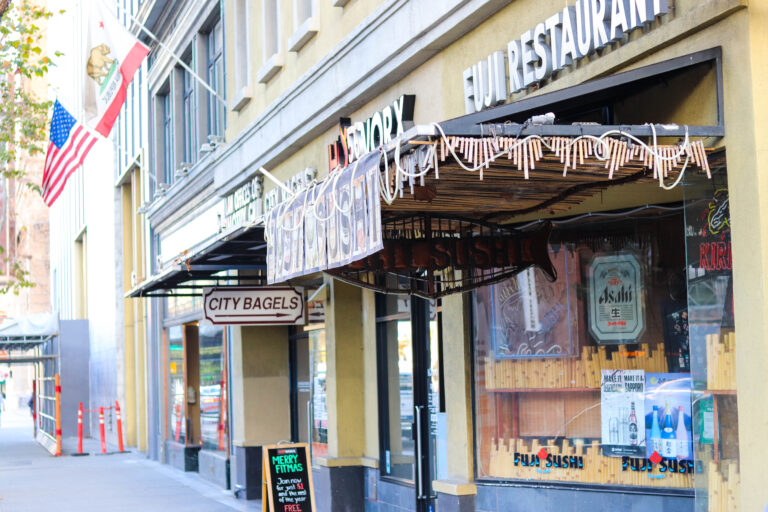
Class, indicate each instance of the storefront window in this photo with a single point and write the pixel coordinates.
(179, 306)
(212, 388)
(396, 362)
(319, 406)
(396, 324)
(587, 379)
(709, 275)
(176, 392)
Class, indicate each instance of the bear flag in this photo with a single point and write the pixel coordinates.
(112, 56)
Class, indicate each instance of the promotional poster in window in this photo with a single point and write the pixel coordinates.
(622, 404)
(668, 415)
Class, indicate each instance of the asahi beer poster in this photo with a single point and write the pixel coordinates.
(668, 415)
(326, 226)
(616, 313)
(622, 412)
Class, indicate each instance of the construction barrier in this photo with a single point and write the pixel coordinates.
(101, 432)
(178, 423)
(102, 429)
(57, 380)
(119, 428)
(34, 410)
(80, 431)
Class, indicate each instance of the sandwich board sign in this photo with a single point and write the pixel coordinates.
(287, 483)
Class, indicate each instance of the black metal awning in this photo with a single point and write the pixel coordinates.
(599, 97)
(241, 251)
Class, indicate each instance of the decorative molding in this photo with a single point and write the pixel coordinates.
(338, 462)
(241, 99)
(270, 68)
(304, 33)
(361, 66)
(454, 487)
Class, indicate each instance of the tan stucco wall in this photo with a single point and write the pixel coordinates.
(345, 373)
(261, 412)
(335, 24)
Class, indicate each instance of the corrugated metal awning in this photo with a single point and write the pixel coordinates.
(26, 333)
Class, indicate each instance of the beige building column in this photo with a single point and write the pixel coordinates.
(746, 110)
(345, 375)
(260, 386)
(458, 397)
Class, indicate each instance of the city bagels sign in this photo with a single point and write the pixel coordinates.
(553, 44)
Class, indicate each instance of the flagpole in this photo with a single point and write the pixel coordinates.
(170, 52)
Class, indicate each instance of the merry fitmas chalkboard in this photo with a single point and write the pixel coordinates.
(288, 474)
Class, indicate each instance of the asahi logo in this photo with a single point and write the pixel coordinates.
(613, 295)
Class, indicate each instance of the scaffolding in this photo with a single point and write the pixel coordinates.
(35, 340)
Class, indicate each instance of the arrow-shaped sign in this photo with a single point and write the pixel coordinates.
(255, 315)
(276, 305)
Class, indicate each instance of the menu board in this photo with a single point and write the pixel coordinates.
(288, 473)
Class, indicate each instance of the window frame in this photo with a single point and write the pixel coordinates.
(241, 56)
(382, 380)
(381, 319)
(168, 138)
(215, 73)
(273, 59)
(189, 117)
(486, 481)
(304, 29)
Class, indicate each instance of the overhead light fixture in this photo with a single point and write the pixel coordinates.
(207, 148)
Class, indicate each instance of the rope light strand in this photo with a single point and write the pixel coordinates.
(480, 153)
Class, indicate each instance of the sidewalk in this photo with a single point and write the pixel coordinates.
(31, 480)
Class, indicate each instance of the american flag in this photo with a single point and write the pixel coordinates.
(69, 145)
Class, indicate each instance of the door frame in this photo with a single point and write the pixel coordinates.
(421, 357)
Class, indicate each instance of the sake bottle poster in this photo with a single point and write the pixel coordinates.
(622, 409)
(668, 415)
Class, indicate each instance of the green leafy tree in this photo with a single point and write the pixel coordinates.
(23, 112)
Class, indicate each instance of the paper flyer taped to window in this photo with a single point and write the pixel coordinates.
(622, 412)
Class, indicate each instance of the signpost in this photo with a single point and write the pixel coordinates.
(288, 478)
(276, 305)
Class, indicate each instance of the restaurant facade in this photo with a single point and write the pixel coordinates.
(510, 226)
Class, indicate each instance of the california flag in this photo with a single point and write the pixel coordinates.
(112, 57)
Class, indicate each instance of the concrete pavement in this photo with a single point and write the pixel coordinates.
(31, 480)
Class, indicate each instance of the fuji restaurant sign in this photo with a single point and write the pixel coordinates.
(558, 42)
(276, 305)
